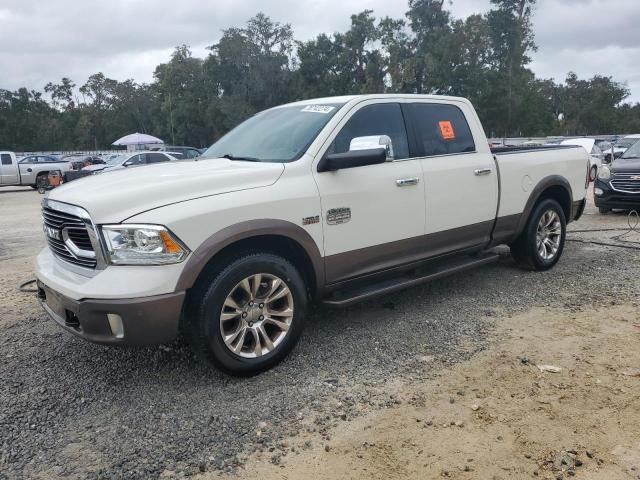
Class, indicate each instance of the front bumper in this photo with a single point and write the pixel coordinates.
(611, 198)
(133, 321)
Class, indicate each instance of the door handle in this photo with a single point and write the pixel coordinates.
(481, 171)
(29, 170)
(405, 182)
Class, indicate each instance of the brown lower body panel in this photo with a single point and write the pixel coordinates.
(356, 263)
(145, 321)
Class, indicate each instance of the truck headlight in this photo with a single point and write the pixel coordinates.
(142, 245)
(604, 173)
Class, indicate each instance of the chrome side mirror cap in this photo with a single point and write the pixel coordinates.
(372, 142)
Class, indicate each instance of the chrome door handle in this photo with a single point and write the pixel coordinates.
(482, 171)
(405, 182)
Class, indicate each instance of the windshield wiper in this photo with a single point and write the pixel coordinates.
(231, 156)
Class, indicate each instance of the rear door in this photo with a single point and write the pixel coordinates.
(460, 178)
(28, 167)
(373, 215)
(8, 170)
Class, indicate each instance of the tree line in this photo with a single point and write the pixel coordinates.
(194, 101)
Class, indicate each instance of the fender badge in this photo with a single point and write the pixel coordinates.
(311, 220)
(338, 216)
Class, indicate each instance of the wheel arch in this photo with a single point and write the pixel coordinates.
(554, 187)
(270, 235)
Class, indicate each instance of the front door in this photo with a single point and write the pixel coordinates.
(460, 177)
(373, 216)
(8, 170)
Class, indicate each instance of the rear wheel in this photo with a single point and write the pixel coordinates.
(248, 316)
(541, 243)
(42, 182)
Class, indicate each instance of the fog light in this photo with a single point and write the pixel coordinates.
(598, 191)
(117, 327)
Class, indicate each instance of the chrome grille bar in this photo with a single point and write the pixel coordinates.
(71, 235)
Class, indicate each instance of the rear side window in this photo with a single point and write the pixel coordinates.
(440, 129)
(6, 159)
(373, 120)
(156, 158)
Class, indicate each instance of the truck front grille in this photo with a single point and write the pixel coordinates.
(626, 182)
(68, 237)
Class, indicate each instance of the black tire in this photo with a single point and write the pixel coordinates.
(524, 250)
(206, 303)
(604, 210)
(42, 182)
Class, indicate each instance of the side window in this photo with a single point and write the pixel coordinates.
(6, 159)
(156, 158)
(440, 129)
(136, 160)
(372, 120)
(596, 151)
(28, 160)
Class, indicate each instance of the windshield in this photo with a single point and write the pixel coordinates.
(278, 135)
(626, 142)
(117, 160)
(633, 152)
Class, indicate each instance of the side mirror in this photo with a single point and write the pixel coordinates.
(352, 159)
(371, 142)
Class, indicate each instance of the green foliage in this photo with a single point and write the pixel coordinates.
(194, 101)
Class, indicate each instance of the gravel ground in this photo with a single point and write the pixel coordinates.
(76, 410)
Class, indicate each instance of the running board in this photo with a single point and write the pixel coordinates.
(347, 297)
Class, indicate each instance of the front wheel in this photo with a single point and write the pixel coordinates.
(541, 243)
(251, 315)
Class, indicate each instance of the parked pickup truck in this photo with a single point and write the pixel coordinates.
(334, 200)
(26, 171)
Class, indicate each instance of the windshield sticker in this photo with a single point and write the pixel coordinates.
(318, 109)
(446, 130)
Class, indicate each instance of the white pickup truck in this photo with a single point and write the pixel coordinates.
(333, 200)
(29, 170)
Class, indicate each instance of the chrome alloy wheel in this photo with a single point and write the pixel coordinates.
(256, 315)
(548, 235)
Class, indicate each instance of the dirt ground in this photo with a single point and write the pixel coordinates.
(498, 416)
(485, 410)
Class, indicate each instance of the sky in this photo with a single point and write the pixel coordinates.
(42, 41)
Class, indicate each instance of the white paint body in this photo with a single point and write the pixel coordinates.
(196, 199)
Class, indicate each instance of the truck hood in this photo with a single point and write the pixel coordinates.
(114, 196)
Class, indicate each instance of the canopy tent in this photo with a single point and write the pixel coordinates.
(137, 140)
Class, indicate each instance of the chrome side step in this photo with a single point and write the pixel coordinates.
(347, 297)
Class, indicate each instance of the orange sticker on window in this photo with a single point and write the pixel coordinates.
(446, 130)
